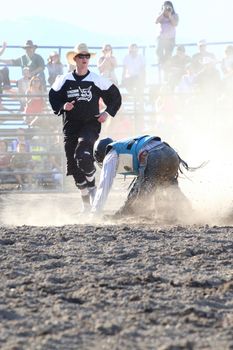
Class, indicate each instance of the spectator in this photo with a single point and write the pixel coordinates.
(200, 58)
(4, 73)
(5, 160)
(53, 163)
(21, 138)
(187, 81)
(207, 76)
(4, 79)
(176, 66)
(76, 96)
(107, 64)
(227, 61)
(4, 76)
(23, 86)
(208, 79)
(54, 66)
(133, 74)
(32, 60)
(168, 20)
(227, 71)
(22, 165)
(187, 96)
(34, 101)
(55, 151)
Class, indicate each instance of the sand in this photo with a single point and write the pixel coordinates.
(135, 283)
(69, 282)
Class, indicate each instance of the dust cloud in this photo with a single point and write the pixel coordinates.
(200, 131)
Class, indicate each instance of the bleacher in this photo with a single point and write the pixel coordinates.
(42, 139)
(12, 119)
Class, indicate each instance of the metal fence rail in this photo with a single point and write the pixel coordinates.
(12, 118)
(41, 140)
(149, 51)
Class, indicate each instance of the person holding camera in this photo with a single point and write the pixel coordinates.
(168, 20)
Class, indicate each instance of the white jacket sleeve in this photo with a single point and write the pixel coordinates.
(107, 175)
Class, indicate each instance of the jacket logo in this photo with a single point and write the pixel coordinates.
(81, 94)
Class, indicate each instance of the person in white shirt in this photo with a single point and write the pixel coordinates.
(134, 74)
(153, 162)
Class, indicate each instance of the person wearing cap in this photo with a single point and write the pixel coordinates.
(153, 162)
(200, 58)
(76, 95)
(30, 59)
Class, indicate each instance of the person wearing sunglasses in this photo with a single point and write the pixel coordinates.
(76, 97)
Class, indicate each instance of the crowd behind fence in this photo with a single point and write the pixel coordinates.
(32, 158)
(148, 51)
(44, 151)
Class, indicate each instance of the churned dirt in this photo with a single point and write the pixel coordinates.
(67, 282)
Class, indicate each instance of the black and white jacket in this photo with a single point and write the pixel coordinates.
(86, 91)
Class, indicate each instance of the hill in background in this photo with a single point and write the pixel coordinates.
(51, 32)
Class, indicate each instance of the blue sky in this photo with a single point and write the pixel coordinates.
(118, 22)
(127, 20)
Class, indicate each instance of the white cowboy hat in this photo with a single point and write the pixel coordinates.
(79, 48)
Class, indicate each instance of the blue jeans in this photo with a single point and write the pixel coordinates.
(165, 48)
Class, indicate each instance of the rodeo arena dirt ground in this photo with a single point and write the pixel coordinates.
(155, 281)
(133, 283)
